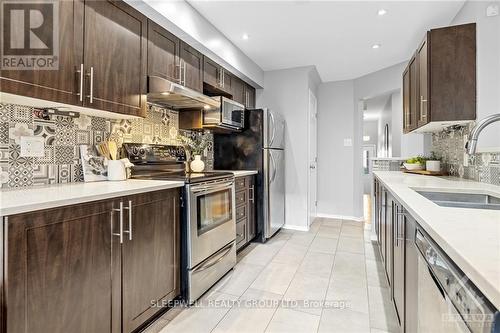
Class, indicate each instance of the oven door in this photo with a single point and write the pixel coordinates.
(233, 113)
(212, 223)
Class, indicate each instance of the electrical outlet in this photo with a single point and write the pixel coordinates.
(348, 142)
(492, 10)
(466, 156)
(32, 146)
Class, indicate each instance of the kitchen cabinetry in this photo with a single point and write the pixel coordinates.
(218, 81)
(96, 266)
(249, 97)
(150, 255)
(60, 85)
(102, 61)
(191, 62)
(411, 276)
(163, 53)
(398, 259)
(439, 85)
(245, 210)
(389, 241)
(115, 57)
(238, 91)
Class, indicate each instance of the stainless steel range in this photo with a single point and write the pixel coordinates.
(208, 223)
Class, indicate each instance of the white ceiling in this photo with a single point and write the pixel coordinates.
(335, 36)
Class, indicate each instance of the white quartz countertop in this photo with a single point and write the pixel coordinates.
(35, 198)
(241, 173)
(470, 237)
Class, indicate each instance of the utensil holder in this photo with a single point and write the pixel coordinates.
(116, 170)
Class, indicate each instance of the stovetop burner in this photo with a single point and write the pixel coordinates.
(162, 162)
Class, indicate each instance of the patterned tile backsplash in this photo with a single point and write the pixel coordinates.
(483, 167)
(62, 137)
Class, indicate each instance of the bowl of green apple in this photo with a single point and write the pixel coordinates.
(414, 163)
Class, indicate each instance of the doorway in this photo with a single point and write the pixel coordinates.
(312, 188)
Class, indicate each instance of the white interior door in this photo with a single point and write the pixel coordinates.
(312, 158)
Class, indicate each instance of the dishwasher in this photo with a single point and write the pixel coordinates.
(447, 301)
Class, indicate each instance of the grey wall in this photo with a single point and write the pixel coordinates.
(336, 118)
(370, 128)
(287, 92)
(488, 67)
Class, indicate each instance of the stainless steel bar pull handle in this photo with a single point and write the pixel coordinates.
(91, 75)
(80, 92)
(184, 70)
(252, 197)
(120, 210)
(129, 231)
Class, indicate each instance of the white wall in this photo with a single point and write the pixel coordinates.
(370, 128)
(488, 66)
(287, 92)
(180, 18)
(336, 119)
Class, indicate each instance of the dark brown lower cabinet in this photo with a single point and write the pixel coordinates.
(245, 210)
(398, 288)
(150, 256)
(68, 270)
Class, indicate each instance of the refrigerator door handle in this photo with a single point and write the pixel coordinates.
(273, 127)
(274, 167)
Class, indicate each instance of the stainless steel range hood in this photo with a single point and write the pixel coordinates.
(176, 96)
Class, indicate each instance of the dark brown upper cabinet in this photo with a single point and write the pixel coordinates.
(191, 62)
(216, 79)
(61, 85)
(102, 60)
(410, 89)
(115, 57)
(445, 69)
(249, 97)
(163, 53)
(238, 90)
(212, 73)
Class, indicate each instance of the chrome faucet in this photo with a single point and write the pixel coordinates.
(471, 144)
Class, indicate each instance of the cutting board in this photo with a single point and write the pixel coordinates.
(426, 173)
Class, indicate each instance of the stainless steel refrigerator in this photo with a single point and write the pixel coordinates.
(260, 146)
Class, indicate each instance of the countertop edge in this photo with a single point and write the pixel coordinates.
(486, 287)
(87, 198)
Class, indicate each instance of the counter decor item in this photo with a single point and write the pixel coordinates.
(415, 163)
(195, 147)
(433, 163)
(93, 164)
(116, 168)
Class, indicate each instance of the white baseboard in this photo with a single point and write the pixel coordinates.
(295, 227)
(341, 217)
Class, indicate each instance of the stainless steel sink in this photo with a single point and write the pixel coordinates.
(462, 200)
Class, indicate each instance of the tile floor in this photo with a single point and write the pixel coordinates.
(329, 279)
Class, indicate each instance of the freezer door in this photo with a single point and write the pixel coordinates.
(274, 200)
(274, 130)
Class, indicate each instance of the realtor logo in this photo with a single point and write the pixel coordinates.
(30, 35)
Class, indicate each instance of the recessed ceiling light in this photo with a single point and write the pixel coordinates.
(381, 12)
(245, 36)
(375, 46)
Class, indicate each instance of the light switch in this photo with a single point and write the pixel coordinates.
(32, 146)
(492, 10)
(348, 142)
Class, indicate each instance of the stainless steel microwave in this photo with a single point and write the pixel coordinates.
(230, 115)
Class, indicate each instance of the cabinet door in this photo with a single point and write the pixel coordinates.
(163, 53)
(389, 241)
(115, 57)
(251, 229)
(411, 273)
(383, 222)
(398, 253)
(227, 81)
(59, 268)
(414, 100)
(61, 85)
(249, 97)
(211, 72)
(150, 255)
(238, 90)
(406, 101)
(423, 84)
(192, 67)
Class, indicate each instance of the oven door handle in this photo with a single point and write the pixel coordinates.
(209, 188)
(215, 262)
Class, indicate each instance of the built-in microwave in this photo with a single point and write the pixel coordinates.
(230, 115)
